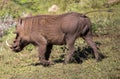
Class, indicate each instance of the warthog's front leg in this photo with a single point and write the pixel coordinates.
(42, 49)
(48, 51)
(44, 54)
(42, 57)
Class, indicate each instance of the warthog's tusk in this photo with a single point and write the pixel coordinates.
(8, 43)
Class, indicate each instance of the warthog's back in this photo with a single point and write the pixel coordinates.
(55, 27)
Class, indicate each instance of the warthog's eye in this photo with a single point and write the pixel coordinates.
(14, 41)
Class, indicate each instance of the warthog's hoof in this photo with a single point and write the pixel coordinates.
(99, 59)
(46, 63)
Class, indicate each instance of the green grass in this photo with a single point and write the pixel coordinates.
(106, 29)
(21, 65)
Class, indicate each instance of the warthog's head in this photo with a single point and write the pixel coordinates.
(20, 40)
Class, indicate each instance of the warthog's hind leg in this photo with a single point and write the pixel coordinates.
(70, 44)
(89, 40)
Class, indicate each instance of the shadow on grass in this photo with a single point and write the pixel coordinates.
(81, 54)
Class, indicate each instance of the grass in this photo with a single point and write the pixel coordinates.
(106, 29)
(22, 65)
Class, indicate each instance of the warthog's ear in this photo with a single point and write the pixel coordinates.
(19, 22)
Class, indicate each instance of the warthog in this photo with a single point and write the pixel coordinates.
(44, 31)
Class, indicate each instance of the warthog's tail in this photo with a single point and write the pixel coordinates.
(110, 10)
(85, 30)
